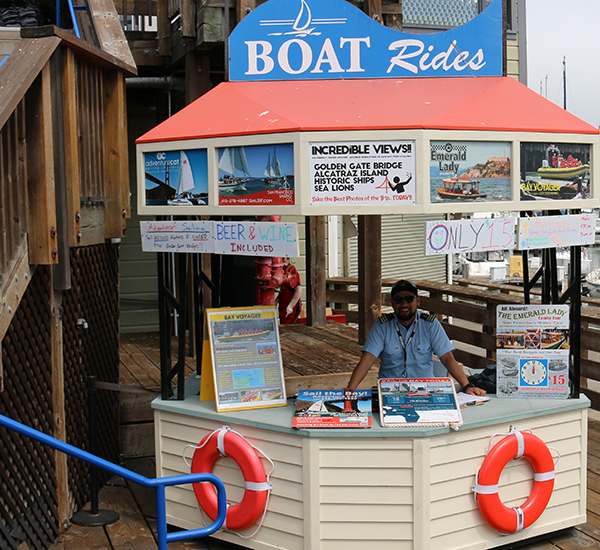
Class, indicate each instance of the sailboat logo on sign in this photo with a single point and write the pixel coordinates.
(325, 39)
(301, 25)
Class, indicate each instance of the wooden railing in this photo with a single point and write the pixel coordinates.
(63, 137)
(468, 313)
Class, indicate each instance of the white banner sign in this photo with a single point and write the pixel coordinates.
(172, 236)
(235, 238)
(553, 231)
(257, 239)
(449, 237)
(362, 172)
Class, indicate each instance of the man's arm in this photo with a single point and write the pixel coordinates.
(456, 371)
(361, 370)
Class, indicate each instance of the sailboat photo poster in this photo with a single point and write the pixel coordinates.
(256, 175)
(176, 177)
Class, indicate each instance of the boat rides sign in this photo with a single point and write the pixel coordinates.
(532, 352)
(313, 39)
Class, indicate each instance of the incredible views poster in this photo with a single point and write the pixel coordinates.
(551, 171)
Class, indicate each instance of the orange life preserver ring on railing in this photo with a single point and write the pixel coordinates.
(517, 445)
(225, 442)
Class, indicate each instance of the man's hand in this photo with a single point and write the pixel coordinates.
(289, 310)
(475, 391)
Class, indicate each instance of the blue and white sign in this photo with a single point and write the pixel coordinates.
(332, 39)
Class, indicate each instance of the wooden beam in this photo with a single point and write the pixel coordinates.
(73, 174)
(315, 271)
(244, 7)
(61, 270)
(164, 28)
(14, 285)
(88, 52)
(116, 162)
(110, 33)
(197, 74)
(369, 274)
(188, 18)
(58, 406)
(40, 172)
(20, 70)
(373, 9)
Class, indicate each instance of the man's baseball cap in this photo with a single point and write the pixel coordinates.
(403, 284)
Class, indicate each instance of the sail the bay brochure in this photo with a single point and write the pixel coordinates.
(333, 409)
(418, 402)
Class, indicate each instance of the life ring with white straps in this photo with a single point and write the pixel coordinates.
(516, 445)
(221, 443)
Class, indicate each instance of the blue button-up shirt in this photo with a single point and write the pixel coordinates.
(422, 339)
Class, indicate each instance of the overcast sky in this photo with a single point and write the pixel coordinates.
(559, 28)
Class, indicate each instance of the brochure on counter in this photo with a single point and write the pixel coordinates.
(333, 409)
(418, 402)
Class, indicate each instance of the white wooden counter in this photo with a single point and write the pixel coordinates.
(378, 488)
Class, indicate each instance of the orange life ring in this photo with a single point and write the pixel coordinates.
(227, 443)
(518, 444)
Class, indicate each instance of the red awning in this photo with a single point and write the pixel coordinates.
(478, 103)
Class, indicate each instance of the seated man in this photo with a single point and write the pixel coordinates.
(406, 341)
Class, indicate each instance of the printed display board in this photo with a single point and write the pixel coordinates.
(235, 238)
(532, 351)
(362, 172)
(417, 402)
(333, 409)
(555, 171)
(256, 175)
(467, 171)
(247, 369)
(556, 231)
(176, 178)
(476, 235)
(312, 39)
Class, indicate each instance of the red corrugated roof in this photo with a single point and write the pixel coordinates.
(484, 103)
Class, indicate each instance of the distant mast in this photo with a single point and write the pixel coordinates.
(565, 82)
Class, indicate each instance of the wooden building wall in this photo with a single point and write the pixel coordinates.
(64, 199)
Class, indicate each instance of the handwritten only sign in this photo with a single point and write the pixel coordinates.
(449, 237)
(553, 231)
(233, 238)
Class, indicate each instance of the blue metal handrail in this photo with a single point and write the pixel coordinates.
(159, 483)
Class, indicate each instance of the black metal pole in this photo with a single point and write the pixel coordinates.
(95, 517)
(91, 387)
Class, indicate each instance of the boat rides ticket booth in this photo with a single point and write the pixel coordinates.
(335, 139)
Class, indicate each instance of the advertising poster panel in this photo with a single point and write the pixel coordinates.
(176, 178)
(362, 172)
(469, 171)
(555, 171)
(256, 175)
(532, 351)
(246, 358)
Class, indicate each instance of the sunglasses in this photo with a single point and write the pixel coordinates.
(407, 299)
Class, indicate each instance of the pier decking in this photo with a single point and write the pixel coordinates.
(136, 529)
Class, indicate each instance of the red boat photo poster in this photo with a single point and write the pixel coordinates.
(551, 171)
(469, 171)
